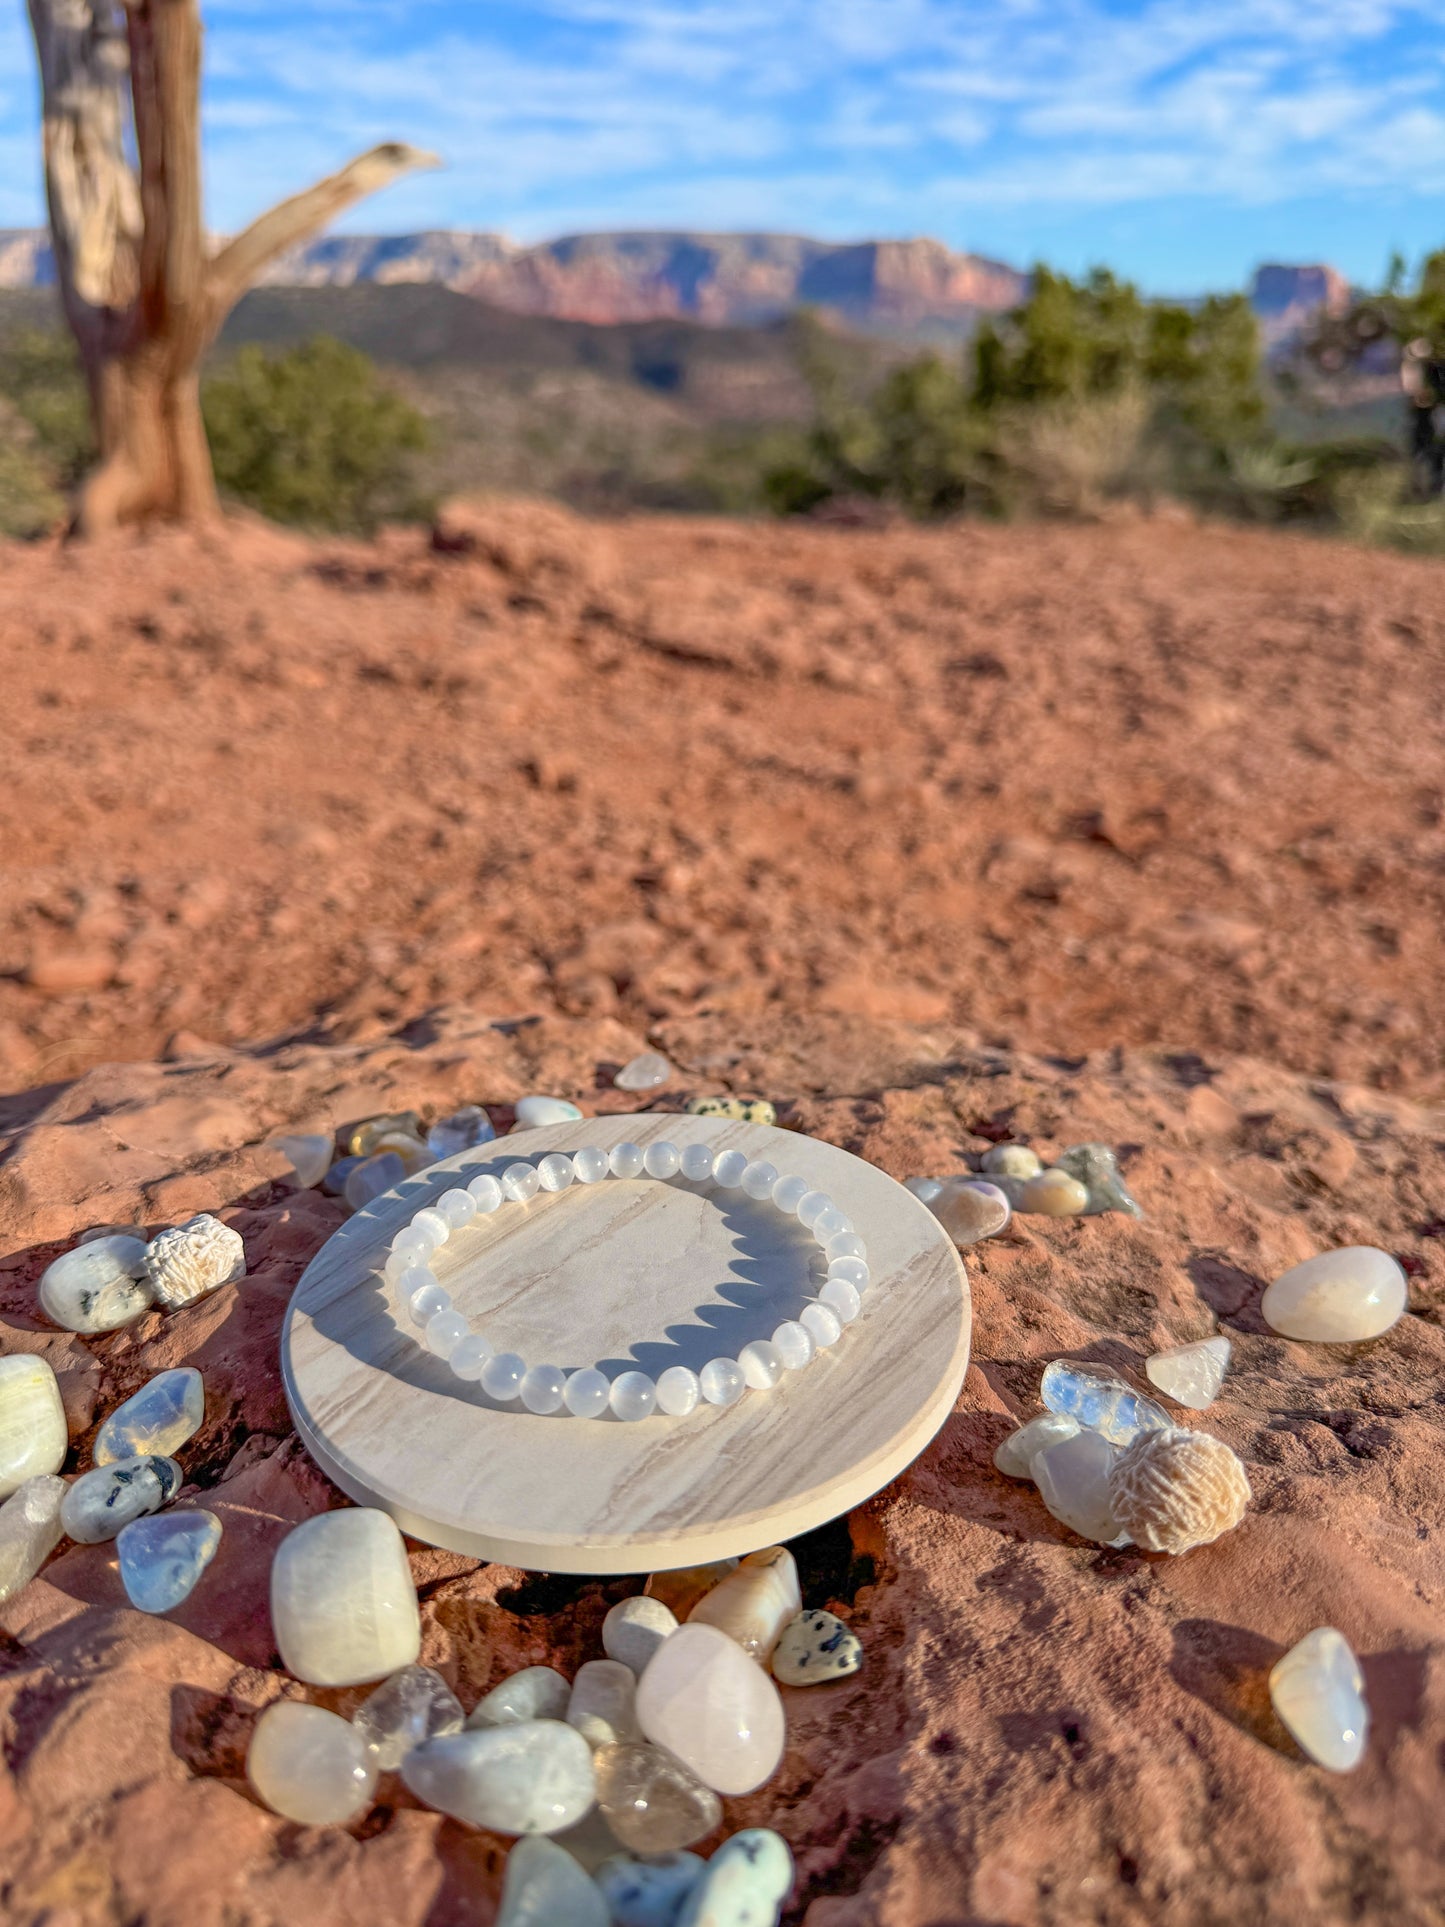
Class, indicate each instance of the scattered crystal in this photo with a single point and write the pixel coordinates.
(371, 1178)
(1011, 1161)
(635, 1628)
(462, 1131)
(334, 1183)
(1176, 1489)
(533, 1112)
(970, 1210)
(650, 1800)
(99, 1503)
(1318, 1692)
(1100, 1402)
(310, 1765)
(545, 1887)
(309, 1155)
(536, 1693)
(1073, 1477)
(1097, 1168)
(534, 1777)
(1190, 1374)
(1339, 1297)
(814, 1648)
(742, 1110)
(603, 1706)
(364, 1138)
(645, 1072)
(98, 1286)
(33, 1435)
(1016, 1454)
(753, 1604)
(743, 1885)
(685, 1585)
(415, 1704)
(926, 1190)
(343, 1605)
(648, 1892)
(1053, 1194)
(30, 1530)
(704, 1700)
(191, 1259)
(167, 1410)
(162, 1557)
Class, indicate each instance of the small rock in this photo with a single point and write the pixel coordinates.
(742, 1110)
(635, 1628)
(1176, 1489)
(924, 1189)
(1011, 1161)
(535, 1777)
(645, 1072)
(414, 1705)
(62, 973)
(1053, 1194)
(1015, 1455)
(743, 1885)
(650, 1800)
(753, 1604)
(33, 1435)
(158, 1419)
(1318, 1691)
(536, 1693)
(705, 1701)
(1190, 1374)
(162, 1558)
(650, 1892)
(1097, 1168)
(602, 1706)
(371, 1178)
(816, 1647)
(1073, 1479)
(343, 1605)
(1339, 1297)
(413, 1153)
(98, 1287)
(1100, 1402)
(30, 1530)
(334, 1183)
(533, 1112)
(462, 1131)
(681, 1588)
(191, 1259)
(99, 1503)
(309, 1765)
(969, 1210)
(309, 1155)
(363, 1138)
(545, 1887)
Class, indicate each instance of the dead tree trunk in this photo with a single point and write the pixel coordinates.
(143, 295)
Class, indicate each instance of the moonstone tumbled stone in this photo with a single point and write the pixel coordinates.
(650, 1800)
(1097, 1169)
(98, 1286)
(1015, 1455)
(30, 1531)
(753, 1604)
(603, 1706)
(162, 1557)
(635, 1628)
(743, 1885)
(814, 1648)
(970, 1210)
(343, 1606)
(1318, 1691)
(644, 1072)
(533, 1112)
(534, 1777)
(1053, 1194)
(310, 1765)
(191, 1259)
(545, 1887)
(415, 1704)
(1011, 1161)
(1073, 1479)
(365, 1137)
(648, 1892)
(536, 1693)
(1339, 1297)
(309, 1153)
(463, 1130)
(1100, 1402)
(99, 1503)
(166, 1411)
(33, 1437)
(1190, 1374)
(704, 1700)
(371, 1177)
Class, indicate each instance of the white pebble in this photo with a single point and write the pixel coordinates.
(603, 1704)
(1318, 1691)
(310, 1765)
(533, 1112)
(1339, 1297)
(645, 1072)
(1015, 1455)
(1012, 1161)
(33, 1434)
(635, 1628)
(1191, 1374)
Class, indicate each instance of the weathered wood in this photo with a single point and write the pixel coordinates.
(628, 1274)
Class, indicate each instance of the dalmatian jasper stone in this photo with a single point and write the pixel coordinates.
(814, 1648)
(742, 1110)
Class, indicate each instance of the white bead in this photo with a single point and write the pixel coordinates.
(542, 1389)
(846, 1244)
(404, 1260)
(520, 1182)
(625, 1160)
(829, 1223)
(811, 1206)
(590, 1164)
(761, 1366)
(586, 1393)
(788, 1194)
(433, 1224)
(410, 1238)
(822, 1324)
(555, 1171)
(853, 1269)
(502, 1375)
(697, 1163)
(793, 1345)
(413, 1278)
(843, 1298)
(469, 1357)
(427, 1301)
(728, 1169)
(445, 1330)
(633, 1395)
(678, 1391)
(759, 1179)
(487, 1192)
(661, 1160)
(457, 1207)
(722, 1381)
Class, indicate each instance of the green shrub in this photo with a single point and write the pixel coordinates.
(41, 379)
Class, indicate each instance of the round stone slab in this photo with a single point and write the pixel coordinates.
(628, 1275)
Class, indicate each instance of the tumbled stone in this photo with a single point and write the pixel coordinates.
(1100, 1402)
(1318, 1691)
(753, 1604)
(814, 1648)
(371, 1178)
(310, 1765)
(1190, 1374)
(648, 1892)
(645, 1072)
(33, 1435)
(545, 1887)
(681, 1588)
(704, 1700)
(159, 1418)
(462, 1131)
(536, 1693)
(309, 1153)
(1176, 1489)
(30, 1530)
(363, 1138)
(1015, 1456)
(602, 1705)
(334, 1183)
(97, 1287)
(635, 1628)
(1073, 1479)
(533, 1112)
(1053, 1194)
(1097, 1168)
(162, 1557)
(534, 1777)
(743, 1885)
(969, 1210)
(415, 1704)
(343, 1606)
(99, 1503)
(650, 1800)
(404, 1145)
(1011, 1161)
(191, 1259)
(742, 1110)
(1339, 1297)
(924, 1189)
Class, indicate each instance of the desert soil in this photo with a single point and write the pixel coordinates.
(934, 838)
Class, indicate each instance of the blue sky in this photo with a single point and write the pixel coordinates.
(1180, 141)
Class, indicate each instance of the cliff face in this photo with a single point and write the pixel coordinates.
(1286, 298)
